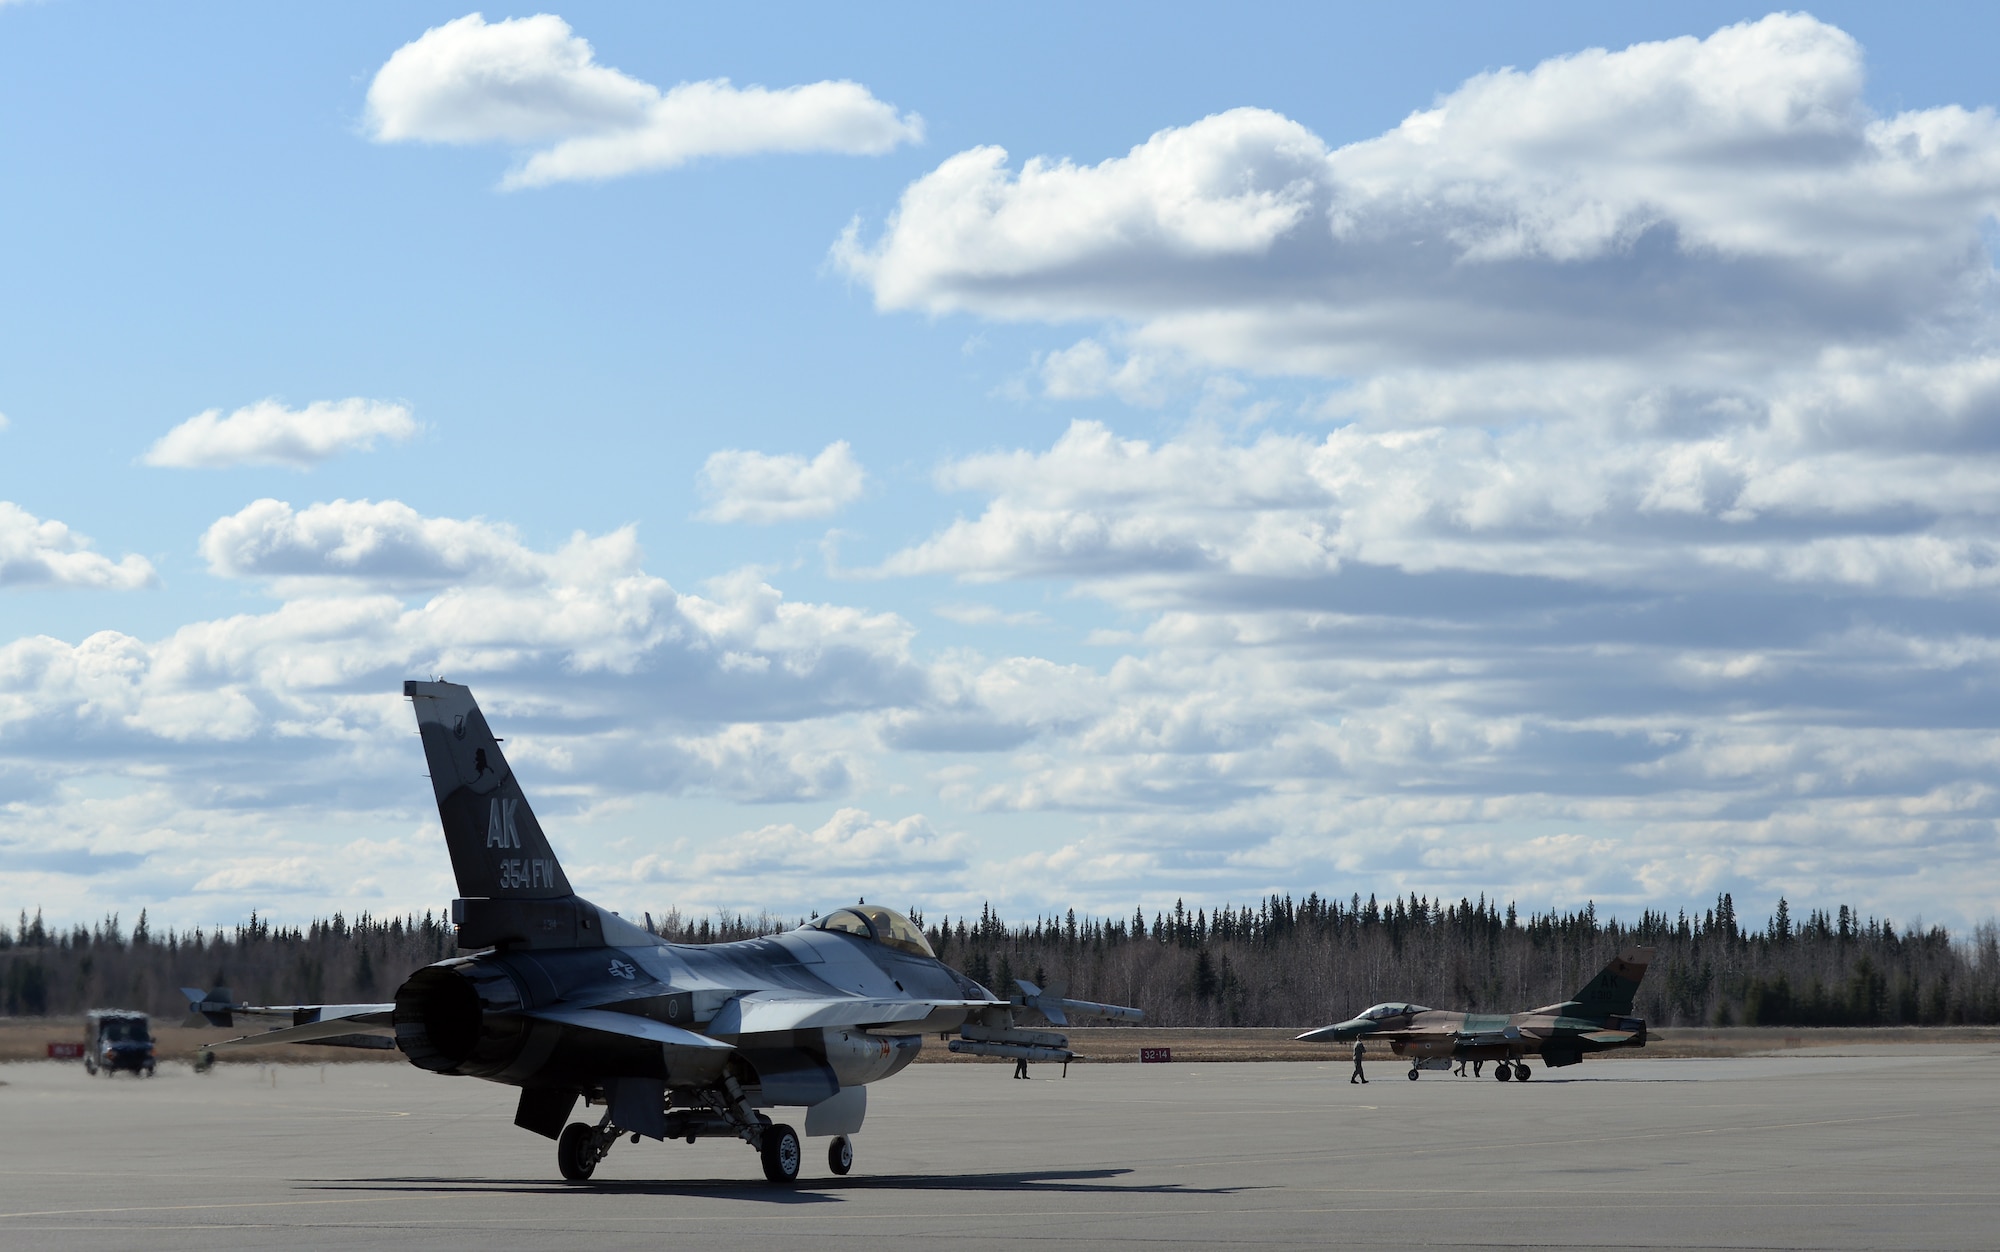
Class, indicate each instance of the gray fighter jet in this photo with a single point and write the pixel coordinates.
(570, 1002)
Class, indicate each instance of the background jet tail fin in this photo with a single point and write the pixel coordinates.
(1610, 993)
(497, 847)
(1051, 1003)
(214, 1007)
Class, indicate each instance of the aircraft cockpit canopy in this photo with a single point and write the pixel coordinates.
(1381, 1011)
(884, 926)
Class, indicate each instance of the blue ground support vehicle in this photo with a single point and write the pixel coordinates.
(115, 1039)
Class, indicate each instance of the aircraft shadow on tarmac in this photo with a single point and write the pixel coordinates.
(818, 1191)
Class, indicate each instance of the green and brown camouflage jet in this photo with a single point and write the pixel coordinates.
(1596, 1019)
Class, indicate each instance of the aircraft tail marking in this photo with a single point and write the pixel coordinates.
(497, 847)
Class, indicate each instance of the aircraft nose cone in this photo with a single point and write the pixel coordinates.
(1339, 1031)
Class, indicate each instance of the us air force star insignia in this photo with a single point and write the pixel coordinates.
(619, 969)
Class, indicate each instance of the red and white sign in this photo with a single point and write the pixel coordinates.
(65, 1051)
(1155, 1056)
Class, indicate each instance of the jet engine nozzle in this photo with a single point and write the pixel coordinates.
(456, 1017)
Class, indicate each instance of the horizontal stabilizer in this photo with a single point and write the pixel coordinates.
(756, 1014)
(629, 1025)
(330, 1025)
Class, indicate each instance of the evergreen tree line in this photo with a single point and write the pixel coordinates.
(1284, 962)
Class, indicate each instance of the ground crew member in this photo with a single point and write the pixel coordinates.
(1020, 1067)
(1357, 1075)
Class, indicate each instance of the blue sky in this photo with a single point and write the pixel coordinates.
(1044, 457)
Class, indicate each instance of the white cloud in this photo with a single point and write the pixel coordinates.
(507, 616)
(268, 433)
(1645, 549)
(966, 614)
(1086, 369)
(37, 553)
(851, 843)
(1716, 202)
(517, 81)
(756, 487)
(530, 80)
(386, 544)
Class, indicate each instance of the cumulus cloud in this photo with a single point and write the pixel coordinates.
(1702, 199)
(1647, 549)
(1644, 548)
(850, 843)
(738, 656)
(37, 553)
(387, 544)
(527, 81)
(268, 433)
(757, 487)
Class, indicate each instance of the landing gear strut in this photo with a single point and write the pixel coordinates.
(581, 1147)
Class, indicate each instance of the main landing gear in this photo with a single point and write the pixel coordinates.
(1518, 1070)
(780, 1153)
(580, 1147)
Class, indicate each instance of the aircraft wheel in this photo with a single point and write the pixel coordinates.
(1521, 1072)
(780, 1153)
(89, 1065)
(574, 1154)
(840, 1154)
(1502, 1072)
(1413, 1074)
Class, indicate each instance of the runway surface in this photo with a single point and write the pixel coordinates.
(1869, 1150)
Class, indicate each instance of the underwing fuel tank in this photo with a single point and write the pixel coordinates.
(857, 1058)
(1012, 1051)
(1014, 1045)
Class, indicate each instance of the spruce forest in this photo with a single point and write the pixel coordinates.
(1284, 962)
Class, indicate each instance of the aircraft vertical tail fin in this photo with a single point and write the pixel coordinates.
(1610, 993)
(497, 847)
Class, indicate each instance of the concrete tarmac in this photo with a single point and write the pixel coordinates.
(1874, 1149)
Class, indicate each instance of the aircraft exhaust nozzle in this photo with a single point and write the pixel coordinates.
(456, 1019)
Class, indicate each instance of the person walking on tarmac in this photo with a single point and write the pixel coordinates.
(1020, 1067)
(1357, 1075)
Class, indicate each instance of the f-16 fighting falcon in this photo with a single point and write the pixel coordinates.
(1595, 1019)
(570, 1002)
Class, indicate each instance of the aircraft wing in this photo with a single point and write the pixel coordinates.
(757, 1013)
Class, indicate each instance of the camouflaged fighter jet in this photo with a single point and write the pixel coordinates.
(570, 1002)
(1595, 1019)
